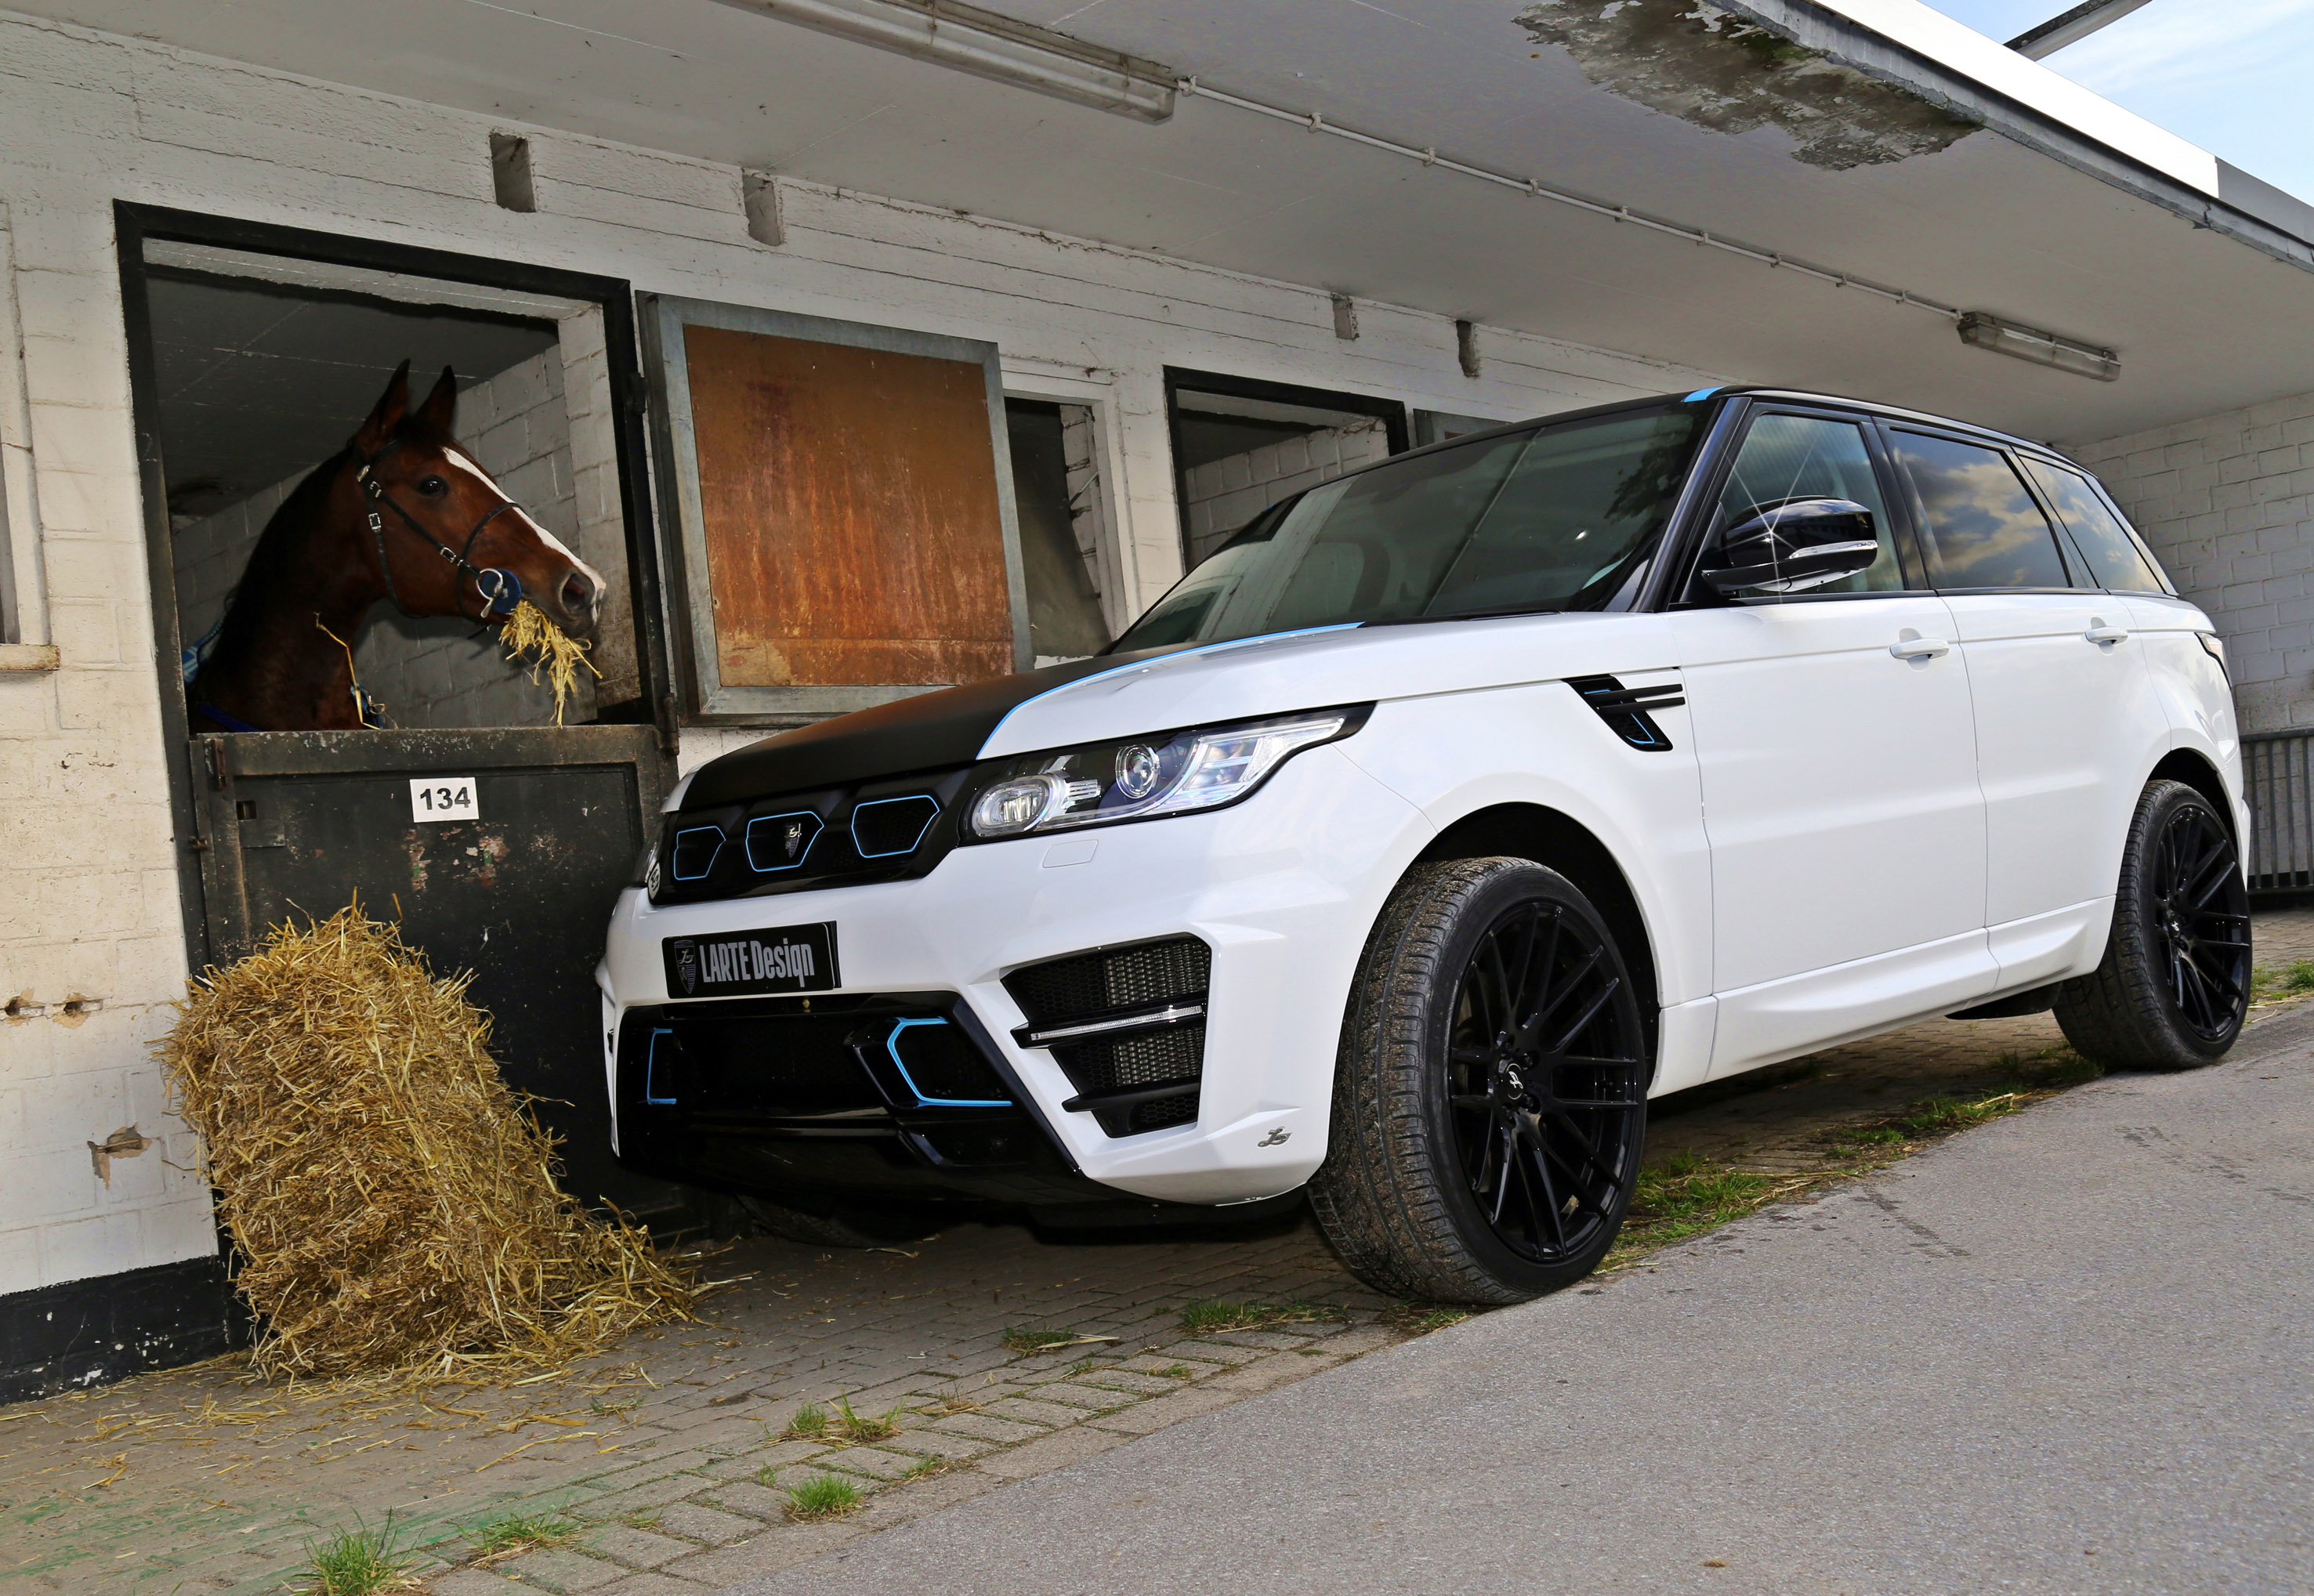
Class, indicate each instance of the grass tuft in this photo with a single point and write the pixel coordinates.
(825, 1496)
(646, 1518)
(1211, 1319)
(1175, 1371)
(495, 1540)
(926, 1467)
(359, 1562)
(853, 1426)
(2275, 986)
(809, 1424)
(1028, 1338)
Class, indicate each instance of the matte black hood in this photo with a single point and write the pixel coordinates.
(931, 731)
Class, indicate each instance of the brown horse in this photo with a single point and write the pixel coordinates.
(400, 513)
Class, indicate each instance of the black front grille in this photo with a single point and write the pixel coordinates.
(1142, 1069)
(877, 831)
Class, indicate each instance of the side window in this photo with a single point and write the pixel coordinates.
(2104, 543)
(1982, 528)
(1786, 457)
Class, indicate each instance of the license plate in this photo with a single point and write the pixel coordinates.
(742, 964)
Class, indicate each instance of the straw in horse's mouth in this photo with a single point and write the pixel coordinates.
(528, 634)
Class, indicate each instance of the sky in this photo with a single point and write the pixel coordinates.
(2234, 77)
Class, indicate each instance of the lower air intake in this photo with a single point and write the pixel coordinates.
(1141, 1065)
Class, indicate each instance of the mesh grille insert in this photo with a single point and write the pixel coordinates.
(1144, 975)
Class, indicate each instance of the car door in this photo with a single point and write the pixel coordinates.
(1834, 736)
(2067, 719)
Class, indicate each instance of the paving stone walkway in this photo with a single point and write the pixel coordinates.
(672, 1458)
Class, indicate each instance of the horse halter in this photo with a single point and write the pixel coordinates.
(500, 594)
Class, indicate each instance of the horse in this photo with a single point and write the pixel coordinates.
(401, 513)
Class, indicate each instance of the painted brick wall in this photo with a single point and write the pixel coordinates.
(2228, 504)
(90, 902)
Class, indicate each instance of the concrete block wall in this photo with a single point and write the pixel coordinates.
(1221, 496)
(90, 904)
(2226, 502)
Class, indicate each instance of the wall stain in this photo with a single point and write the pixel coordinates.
(1717, 70)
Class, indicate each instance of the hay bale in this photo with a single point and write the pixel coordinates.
(395, 1202)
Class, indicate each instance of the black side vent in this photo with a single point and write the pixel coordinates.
(1127, 1025)
(1625, 708)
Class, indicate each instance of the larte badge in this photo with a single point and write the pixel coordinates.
(743, 964)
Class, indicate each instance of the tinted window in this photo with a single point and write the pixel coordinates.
(2112, 554)
(1555, 518)
(1786, 457)
(1982, 528)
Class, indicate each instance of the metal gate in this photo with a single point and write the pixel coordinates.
(2278, 771)
(541, 828)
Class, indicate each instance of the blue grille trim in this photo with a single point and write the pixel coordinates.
(892, 1047)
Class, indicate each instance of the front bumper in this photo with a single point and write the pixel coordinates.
(1283, 887)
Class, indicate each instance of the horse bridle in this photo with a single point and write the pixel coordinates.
(500, 594)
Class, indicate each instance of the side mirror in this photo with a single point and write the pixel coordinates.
(1792, 546)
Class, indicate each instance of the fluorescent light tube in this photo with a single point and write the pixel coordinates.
(990, 46)
(1985, 330)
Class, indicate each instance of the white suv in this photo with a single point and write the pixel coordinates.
(1448, 813)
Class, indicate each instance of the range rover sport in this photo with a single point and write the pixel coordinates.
(1450, 811)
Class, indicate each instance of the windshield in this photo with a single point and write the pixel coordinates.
(1561, 517)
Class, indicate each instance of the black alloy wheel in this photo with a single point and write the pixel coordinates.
(1545, 1083)
(1490, 1098)
(2202, 908)
(2172, 989)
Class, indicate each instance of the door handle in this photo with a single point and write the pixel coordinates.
(1911, 645)
(2100, 632)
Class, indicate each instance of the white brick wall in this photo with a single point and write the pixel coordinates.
(89, 902)
(1222, 496)
(2228, 504)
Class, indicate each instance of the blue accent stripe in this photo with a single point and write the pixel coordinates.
(714, 853)
(892, 1047)
(914, 797)
(1698, 394)
(1267, 637)
(651, 1071)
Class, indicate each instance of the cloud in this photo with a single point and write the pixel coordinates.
(2167, 47)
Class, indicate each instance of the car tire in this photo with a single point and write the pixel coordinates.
(1469, 1161)
(2173, 988)
(855, 1229)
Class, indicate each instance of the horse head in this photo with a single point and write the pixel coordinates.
(447, 539)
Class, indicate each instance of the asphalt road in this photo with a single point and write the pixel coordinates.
(2069, 1351)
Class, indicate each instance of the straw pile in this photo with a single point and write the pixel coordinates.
(528, 634)
(394, 1202)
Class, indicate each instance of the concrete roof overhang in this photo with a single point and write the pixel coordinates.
(2059, 212)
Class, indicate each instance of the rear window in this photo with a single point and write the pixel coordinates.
(2114, 558)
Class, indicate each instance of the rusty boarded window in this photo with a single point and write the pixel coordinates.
(846, 513)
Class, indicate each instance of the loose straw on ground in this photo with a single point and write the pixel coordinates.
(394, 1203)
(529, 634)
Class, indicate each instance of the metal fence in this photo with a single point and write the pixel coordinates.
(2279, 766)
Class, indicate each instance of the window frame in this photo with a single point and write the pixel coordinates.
(1708, 480)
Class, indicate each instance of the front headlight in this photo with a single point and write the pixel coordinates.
(1179, 773)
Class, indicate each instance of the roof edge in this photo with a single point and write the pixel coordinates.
(2229, 201)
